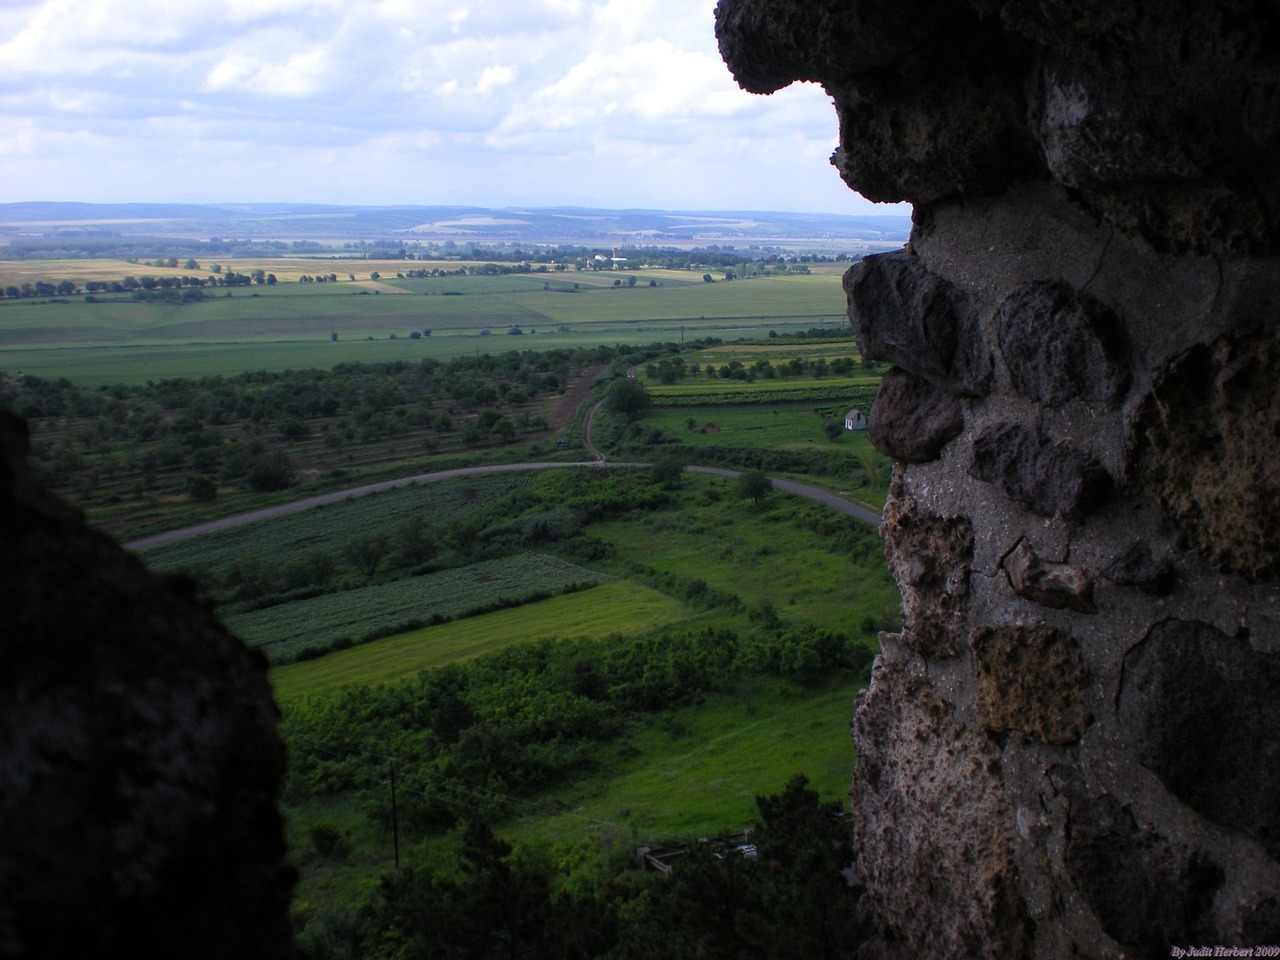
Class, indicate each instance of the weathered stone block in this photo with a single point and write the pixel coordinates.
(929, 557)
(932, 827)
(1057, 585)
(1148, 892)
(915, 320)
(1061, 345)
(911, 419)
(1048, 478)
(1204, 714)
(1206, 445)
(1138, 568)
(1031, 679)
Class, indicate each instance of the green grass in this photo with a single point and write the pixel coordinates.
(621, 607)
(764, 556)
(698, 772)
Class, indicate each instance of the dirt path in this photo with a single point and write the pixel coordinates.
(564, 414)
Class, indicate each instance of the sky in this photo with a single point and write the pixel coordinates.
(495, 103)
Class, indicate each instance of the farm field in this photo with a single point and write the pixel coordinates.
(294, 537)
(286, 630)
(291, 325)
(701, 578)
(619, 608)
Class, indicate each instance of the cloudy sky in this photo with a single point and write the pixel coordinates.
(607, 103)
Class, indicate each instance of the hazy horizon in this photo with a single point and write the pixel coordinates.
(611, 104)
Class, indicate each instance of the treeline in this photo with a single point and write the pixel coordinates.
(789, 897)
(145, 287)
(669, 370)
(787, 894)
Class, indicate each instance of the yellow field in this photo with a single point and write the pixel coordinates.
(592, 613)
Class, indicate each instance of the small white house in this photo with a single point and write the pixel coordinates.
(855, 420)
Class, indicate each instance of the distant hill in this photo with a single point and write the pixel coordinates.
(56, 224)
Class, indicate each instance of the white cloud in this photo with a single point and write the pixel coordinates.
(491, 78)
(467, 101)
(301, 74)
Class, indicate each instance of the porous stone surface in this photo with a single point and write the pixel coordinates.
(139, 760)
(1085, 333)
(1031, 679)
(928, 793)
(930, 559)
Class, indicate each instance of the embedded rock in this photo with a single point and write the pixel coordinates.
(139, 759)
(1138, 568)
(919, 766)
(915, 320)
(911, 419)
(1204, 715)
(1207, 446)
(1059, 344)
(1031, 679)
(1051, 584)
(1149, 893)
(930, 559)
(1046, 477)
(1085, 329)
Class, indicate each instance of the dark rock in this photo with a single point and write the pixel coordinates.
(930, 559)
(1138, 568)
(1048, 478)
(1061, 345)
(911, 419)
(1262, 923)
(139, 759)
(1206, 446)
(1148, 892)
(1057, 585)
(946, 891)
(1204, 714)
(915, 320)
(1031, 679)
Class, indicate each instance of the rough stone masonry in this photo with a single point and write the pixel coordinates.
(1072, 749)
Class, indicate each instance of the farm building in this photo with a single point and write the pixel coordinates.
(855, 420)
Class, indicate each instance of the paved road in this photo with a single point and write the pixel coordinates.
(225, 523)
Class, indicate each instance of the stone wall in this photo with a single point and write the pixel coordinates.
(139, 758)
(1072, 747)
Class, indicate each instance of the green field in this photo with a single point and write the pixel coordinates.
(290, 325)
(620, 608)
(700, 771)
(294, 537)
(285, 630)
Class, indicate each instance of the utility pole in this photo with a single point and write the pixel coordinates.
(395, 820)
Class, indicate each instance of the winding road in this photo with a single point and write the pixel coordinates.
(266, 513)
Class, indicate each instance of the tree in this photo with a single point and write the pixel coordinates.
(753, 485)
(367, 553)
(414, 544)
(834, 429)
(667, 472)
(271, 472)
(200, 488)
(628, 397)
